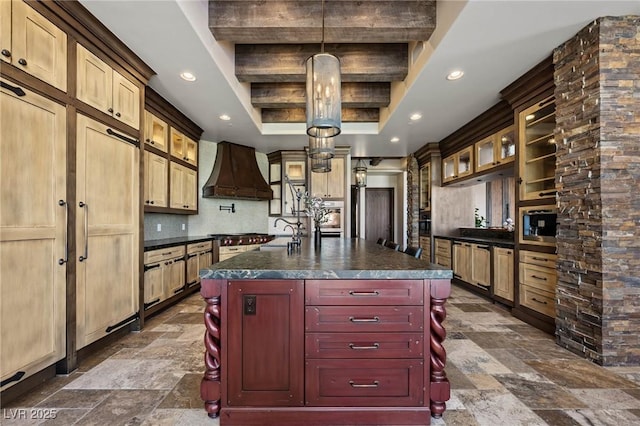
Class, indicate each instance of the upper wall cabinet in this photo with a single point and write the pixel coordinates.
(425, 187)
(156, 132)
(537, 150)
(183, 148)
(105, 89)
(329, 185)
(495, 150)
(458, 165)
(33, 44)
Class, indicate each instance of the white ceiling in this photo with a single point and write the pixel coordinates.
(494, 42)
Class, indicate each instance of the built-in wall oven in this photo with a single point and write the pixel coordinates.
(424, 224)
(538, 225)
(334, 226)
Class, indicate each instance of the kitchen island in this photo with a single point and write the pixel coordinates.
(349, 333)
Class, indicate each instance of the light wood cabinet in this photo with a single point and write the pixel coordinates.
(155, 180)
(425, 187)
(425, 243)
(442, 252)
(183, 147)
(183, 191)
(537, 150)
(497, 149)
(32, 43)
(481, 265)
(457, 165)
(199, 256)
(462, 261)
(107, 234)
(105, 89)
(33, 238)
(156, 132)
(503, 263)
(329, 185)
(538, 281)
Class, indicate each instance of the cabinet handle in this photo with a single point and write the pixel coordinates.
(455, 275)
(541, 259)
(189, 256)
(22, 62)
(539, 301)
(66, 232)
(131, 319)
(192, 283)
(110, 110)
(371, 385)
(150, 267)
(13, 378)
(364, 293)
(152, 142)
(360, 348)
(6, 53)
(538, 278)
(124, 138)
(178, 290)
(18, 91)
(118, 114)
(151, 202)
(85, 206)
(374, 319)
(544, 194)
(483, 247)
(153, 302)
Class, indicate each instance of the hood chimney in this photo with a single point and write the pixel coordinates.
(236, 175)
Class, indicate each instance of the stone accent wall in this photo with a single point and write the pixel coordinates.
(413, 201)
(597, 77)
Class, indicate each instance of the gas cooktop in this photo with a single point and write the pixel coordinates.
(242, 238)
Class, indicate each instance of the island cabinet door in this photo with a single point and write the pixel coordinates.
(265, 343)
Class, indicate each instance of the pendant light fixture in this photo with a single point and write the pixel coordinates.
(321, 148)
(360, 171)
(321, 165)
(324, 106)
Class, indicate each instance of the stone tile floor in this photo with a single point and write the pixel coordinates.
(502, 372)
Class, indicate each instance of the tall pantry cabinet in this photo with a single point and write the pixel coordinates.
(70, 209)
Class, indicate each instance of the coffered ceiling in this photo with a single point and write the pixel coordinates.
(493, 41)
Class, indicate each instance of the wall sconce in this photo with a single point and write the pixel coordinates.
(360, 171)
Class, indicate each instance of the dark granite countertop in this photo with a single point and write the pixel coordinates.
(337, 258)
(490, 241)
(170, 242)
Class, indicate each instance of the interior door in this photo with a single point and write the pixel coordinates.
(379, 214)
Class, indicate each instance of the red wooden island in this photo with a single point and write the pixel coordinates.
(347, 334)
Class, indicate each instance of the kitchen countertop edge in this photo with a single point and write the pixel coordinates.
(491, 241)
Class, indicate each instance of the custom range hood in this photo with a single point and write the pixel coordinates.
(236, 174)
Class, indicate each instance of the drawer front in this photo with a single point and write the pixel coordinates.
(538, 277)
(385, 382)
(159, 255)
(540, 259)
(363, 345)
(362, 319)
(443, 261)
(442, 247)
(198, 247)
(366, 292)
(538, 300)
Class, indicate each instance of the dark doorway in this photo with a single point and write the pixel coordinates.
(379, 213)
(354, 211)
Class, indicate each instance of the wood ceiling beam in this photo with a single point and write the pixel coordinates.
(296, 21)
(286, 63)
(286, 95)
(297, 115)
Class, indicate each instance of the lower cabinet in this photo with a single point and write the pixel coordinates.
(462, 261)
(503, 264)
(164, 274)
(425, 243)
(442, 252)
(481, 265)
(199, 256)
(538, 282)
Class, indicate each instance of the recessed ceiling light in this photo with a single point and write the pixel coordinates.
(395, 139)
(455, 74)
(415, 116)
(530, 117)
(225, 117)
(186, 75)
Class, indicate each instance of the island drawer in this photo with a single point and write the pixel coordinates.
(364, 292)
(358, 382)
(363, 345)
(362, 319)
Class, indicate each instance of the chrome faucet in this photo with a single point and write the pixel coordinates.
(296, 233)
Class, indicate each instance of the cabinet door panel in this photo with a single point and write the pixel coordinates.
(481, 265)
(41, 44)
(107, 224)
(364, 319)
(503, 279)
(32, 232)
(156, 170)
(191, 151)
(95, 80)
(176, 190)
(5, 28)
(126, 101)
(190, 189)
(192, 269)
(153, 290)
(175, 278)
(156, 132)
(335, 178)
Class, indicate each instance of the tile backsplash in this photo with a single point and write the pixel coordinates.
(160, 225)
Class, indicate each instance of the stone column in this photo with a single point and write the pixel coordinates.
(413, 203)
(597, 78)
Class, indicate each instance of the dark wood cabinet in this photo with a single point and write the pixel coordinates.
(266, 349)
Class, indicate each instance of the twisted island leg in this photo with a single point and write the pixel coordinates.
(210, 384)
(440, 387)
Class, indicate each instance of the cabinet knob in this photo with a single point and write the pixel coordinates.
(151, 202)
(147, 202)
(6, 53)
(110, 110)
(22, 62)
(118, 114)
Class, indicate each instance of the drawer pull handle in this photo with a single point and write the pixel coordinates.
(538, 278)
(541, 259)
(364, 293)
(364, 385)
(374, 319)
(539, 301)
(361, 348)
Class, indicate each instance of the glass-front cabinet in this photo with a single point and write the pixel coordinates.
(458, 165)
(425, 187)
(497, 149)
(287, 169)
(538, 150)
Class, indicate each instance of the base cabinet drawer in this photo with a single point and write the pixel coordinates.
(363, 319)
(365, 292)
(364, 382)
(538, 300)
(363, 345)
